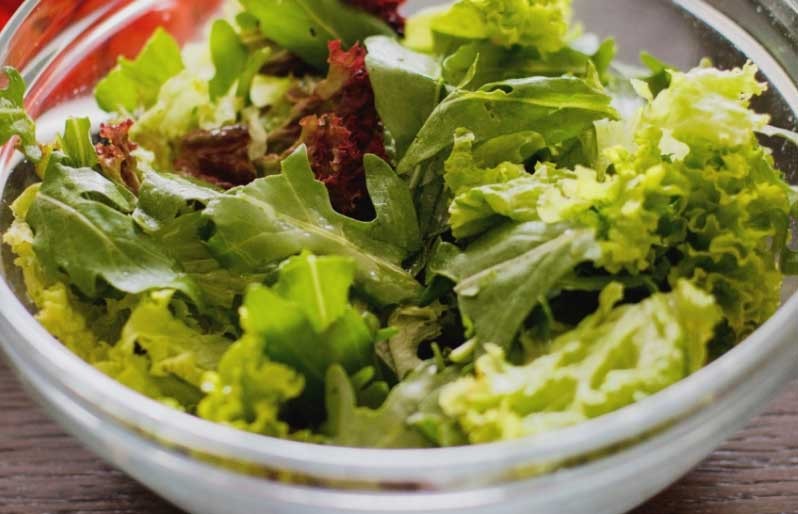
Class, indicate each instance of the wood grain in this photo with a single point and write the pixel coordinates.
(44, 471)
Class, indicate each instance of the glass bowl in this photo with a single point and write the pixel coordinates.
(605, 466)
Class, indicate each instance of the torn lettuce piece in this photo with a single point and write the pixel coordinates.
(14, 120)
(135, 84)
(619, 355)
(308, 322)
(414, 326)
(248, 390)
(162, 357)
(390, 425)
(501, 278)
(279, 216)
(305, 27)
(558, 109)
(104, 247)
(401, 77)
(183, 105)
(543, 24)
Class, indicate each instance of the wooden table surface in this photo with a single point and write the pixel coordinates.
(44, 471)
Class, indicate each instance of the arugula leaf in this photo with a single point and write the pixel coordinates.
(77, 145)
(164, 197)
(104, 245)
(307, 320)
(229, 57)
(502, 277)
(135, 84)
(279, 216)
(14, 120)
(490, 63)
(401, 77)
(615, 357)
(414, 326)
(558, 109)
(306, 26)
(388, 426)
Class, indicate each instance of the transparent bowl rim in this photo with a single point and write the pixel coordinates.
(111, 397)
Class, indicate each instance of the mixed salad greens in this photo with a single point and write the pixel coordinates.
(331, 224)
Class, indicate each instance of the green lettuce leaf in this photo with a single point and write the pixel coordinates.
(172, 348)
(414, 325)
(183, 104)
(104, 245)
(481, 63)
(308, 323)
(306, 26)
(77, 145)
(248, 390)
(135, 84)
(558, 109)
(279, 216)
(386, 427)
(14, 120)
(543, 24)
(617, 356)
(229, 57)
(503, 276)
(401, 77)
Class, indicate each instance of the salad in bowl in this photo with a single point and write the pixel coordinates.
(329, 223)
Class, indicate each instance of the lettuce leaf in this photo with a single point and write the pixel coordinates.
(477, 64)
(77, 145)
(542, 24)
(615, 357)
(558, 109)
(308, 323)
(390, 425)
(503, 276)
(279, 216)
(248, 390)
(173, 347)
(304, 27)
(229, 57)
(14, 120)
(183, 104)
(401, 77)
(135, 84)
(104, 244)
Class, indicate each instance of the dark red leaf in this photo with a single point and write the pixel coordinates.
(220, 157)
(114, 154)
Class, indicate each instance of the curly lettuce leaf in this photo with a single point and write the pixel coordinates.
(135, 84)
(558, 109)
(14, 120)
(615, 357)
(308, 323)
(279, 216)
(183, 105)
(543, 24)
(174, 349)
(305, 27)
(248, 390)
